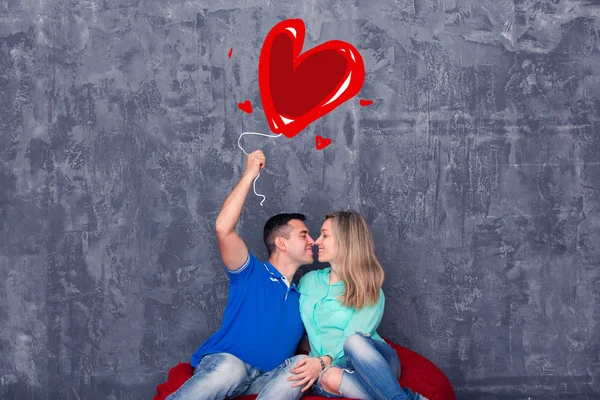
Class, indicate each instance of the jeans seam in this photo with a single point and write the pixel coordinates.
(349, 372)
(273, 378)
(376, 390)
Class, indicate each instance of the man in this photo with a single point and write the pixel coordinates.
(261, 325)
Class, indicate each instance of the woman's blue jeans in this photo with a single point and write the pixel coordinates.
(370, 373)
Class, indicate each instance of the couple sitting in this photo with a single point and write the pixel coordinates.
(266, 316)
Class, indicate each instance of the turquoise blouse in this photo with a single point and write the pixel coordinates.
(327, 322)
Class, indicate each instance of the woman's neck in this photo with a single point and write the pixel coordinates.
(333, 274)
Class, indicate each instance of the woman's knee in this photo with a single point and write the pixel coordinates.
(357, 342)
(331, 380)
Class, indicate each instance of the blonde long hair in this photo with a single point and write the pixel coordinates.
(360, 270)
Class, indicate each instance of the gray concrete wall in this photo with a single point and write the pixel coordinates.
(478, 167)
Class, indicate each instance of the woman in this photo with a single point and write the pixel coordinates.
(341, 307)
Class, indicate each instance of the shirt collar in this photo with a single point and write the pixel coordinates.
(276, 274)
(272, 270)
(325, 275)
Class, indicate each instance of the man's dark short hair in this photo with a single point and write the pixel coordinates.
(276, 226)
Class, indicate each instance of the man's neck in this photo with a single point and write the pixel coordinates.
(284, 266)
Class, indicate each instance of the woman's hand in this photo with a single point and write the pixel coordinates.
(306, 371)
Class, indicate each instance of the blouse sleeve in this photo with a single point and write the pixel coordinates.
(366, 320)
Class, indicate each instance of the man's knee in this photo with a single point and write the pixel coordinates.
(216, 376)
(331, 380)
(223, 369)
(293, 361)
(232, 367)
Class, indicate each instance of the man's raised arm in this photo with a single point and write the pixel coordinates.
(233, 249)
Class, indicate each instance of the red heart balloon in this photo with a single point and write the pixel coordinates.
(297, 89)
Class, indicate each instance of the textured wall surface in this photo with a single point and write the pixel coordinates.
(478, 166)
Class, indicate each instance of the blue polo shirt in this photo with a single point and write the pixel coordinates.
(261, 323)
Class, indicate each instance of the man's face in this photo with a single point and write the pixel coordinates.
(300, 244)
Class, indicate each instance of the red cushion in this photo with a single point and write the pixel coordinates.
(418, 374)
(422, 376)
(176, 377)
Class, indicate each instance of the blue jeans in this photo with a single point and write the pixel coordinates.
(224, 376)
(371, 372)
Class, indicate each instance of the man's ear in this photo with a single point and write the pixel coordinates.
(280, 243)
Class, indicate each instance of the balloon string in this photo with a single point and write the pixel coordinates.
(255, 179)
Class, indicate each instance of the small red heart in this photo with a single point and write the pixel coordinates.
(245, 106)
(322, 142)
(365, 103)
(298, 88)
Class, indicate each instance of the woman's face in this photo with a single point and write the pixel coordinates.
(328, 248)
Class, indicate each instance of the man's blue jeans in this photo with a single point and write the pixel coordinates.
(224, 376)
(371, 372)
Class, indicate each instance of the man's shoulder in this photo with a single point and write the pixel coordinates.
(251, 267)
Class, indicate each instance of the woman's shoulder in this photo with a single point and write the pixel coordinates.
(311, 277)
(381, 296)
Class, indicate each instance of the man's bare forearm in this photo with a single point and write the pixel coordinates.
(232, 207)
